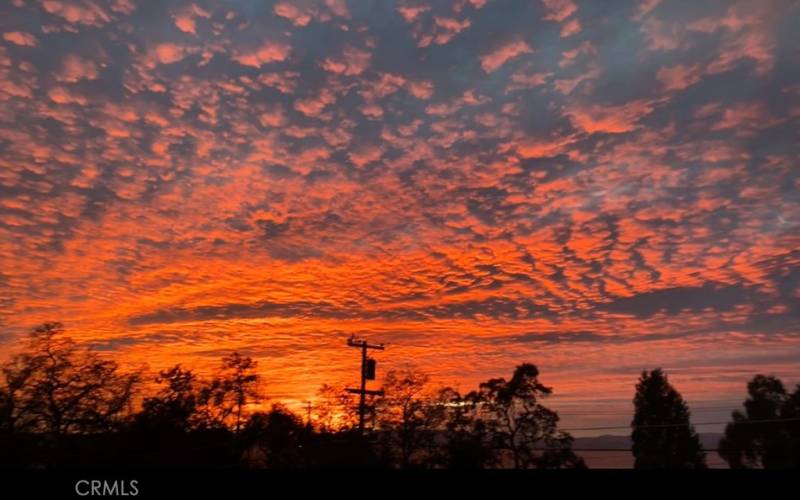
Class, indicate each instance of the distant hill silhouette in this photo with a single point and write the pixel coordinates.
(709, 440)
(614, 452)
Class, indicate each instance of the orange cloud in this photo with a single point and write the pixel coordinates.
(609, 119)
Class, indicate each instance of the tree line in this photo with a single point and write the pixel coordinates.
(62, 405)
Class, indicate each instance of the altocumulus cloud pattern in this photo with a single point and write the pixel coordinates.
(596, 187)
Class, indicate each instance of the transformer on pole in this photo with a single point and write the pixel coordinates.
(367, 373)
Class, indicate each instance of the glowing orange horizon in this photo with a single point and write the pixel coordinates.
(597, 196)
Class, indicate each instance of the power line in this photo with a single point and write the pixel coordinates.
(630, 450)
(625, 414)
(661, 426)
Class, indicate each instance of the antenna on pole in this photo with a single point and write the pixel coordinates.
(367, 373)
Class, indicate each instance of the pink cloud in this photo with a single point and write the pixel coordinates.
(609, 119)
(60, 95)
(524, 80)
(569, 56)
(732, 20)
(445, 28)
(543, 148)
(645, 7)
(364, 155)
(285, 81)
(185, 18)
(352, 62)
(410, 13)
(21, 38)
(421, 89)
(168, 53)
(338, 7)
(185, 23)
(746, 117)
(372, 111)
(9, 88)
(707, 110)
(567, 85)
(77, 12)
(468, 98)
(680, 76)
(661, 36)
(747, 33)
(268, 52)
(452, 24)
(75, 68)
(571, 27)
(387, 84)
(273, 117)
(492, 61)
(559, 10)
(756, 45)
(314, 106)
(292, 13)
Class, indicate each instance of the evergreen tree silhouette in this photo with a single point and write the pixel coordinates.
(662, 436)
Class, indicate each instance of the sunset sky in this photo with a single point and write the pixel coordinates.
(594, 187)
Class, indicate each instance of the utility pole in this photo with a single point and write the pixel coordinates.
(367, 373)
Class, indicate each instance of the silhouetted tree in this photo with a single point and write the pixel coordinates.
(15, 415)
(173, 428)
(410, 416)
(234, 387)
(335, 409)
(58, 388)
(758, 438)
(662, 436)
(175, 406)
(276, 440)
(519, 426)
(466, 443)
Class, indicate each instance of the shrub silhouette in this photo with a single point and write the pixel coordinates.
(773, 444)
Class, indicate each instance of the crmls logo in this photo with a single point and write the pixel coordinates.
(103, 488)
